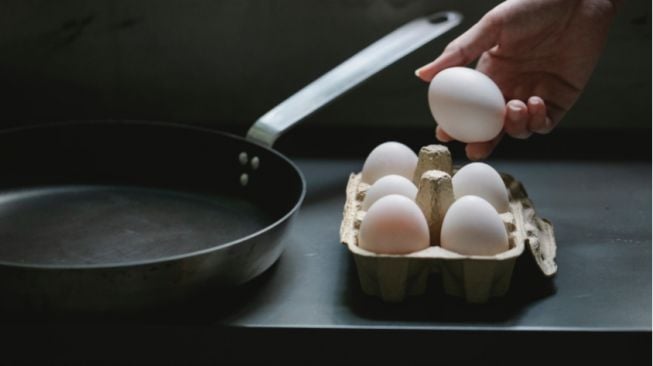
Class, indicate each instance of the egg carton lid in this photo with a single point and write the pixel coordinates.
(542, 248)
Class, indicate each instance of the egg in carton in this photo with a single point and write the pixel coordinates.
(475, 278)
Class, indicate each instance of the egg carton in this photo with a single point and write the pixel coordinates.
(475, 278)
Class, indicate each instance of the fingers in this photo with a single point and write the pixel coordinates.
(539, 122)
(481, 150)
(441, 135)
(464, 49)
(522, 119)
(516, 121)
(474, 151)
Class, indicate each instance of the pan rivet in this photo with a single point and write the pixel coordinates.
(242, 157)
(255, 162)
(244, 178)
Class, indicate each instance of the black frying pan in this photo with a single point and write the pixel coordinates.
(127, 215)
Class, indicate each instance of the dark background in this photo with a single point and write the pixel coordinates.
(224, 63)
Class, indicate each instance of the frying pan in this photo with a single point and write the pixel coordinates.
(120, 215)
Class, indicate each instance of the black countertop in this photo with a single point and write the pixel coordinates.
(309, 305)
(602, 219)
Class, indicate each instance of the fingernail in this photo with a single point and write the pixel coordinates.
(523, 136)
(534, 100)
(514, 111)
(514, 106)
(417, 72)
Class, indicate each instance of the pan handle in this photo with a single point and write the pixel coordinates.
(350, 73)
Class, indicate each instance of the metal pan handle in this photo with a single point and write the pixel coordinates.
(350, 73)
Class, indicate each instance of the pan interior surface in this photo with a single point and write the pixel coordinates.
(91, 225)
(118, 193)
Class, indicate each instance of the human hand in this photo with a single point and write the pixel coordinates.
(540, 53)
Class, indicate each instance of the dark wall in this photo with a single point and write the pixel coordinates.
(228, 62)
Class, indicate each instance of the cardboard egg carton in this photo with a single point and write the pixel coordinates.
(475, 278)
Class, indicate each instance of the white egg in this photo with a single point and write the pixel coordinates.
(480, 179)
(389, 158)
(390, 184)
(466, 104)
(394, 225)
(472, 226)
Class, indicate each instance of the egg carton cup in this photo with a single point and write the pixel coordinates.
(474, 278)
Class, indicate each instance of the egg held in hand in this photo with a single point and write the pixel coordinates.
(480, 179)
(394, 225)
(389, 158)
(466, 104)
(472, 226)
(389, 184)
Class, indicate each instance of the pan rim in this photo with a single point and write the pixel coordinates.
(171, 258)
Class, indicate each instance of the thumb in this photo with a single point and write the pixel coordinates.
(481, 37)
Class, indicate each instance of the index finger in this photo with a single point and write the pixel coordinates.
(481, 37)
